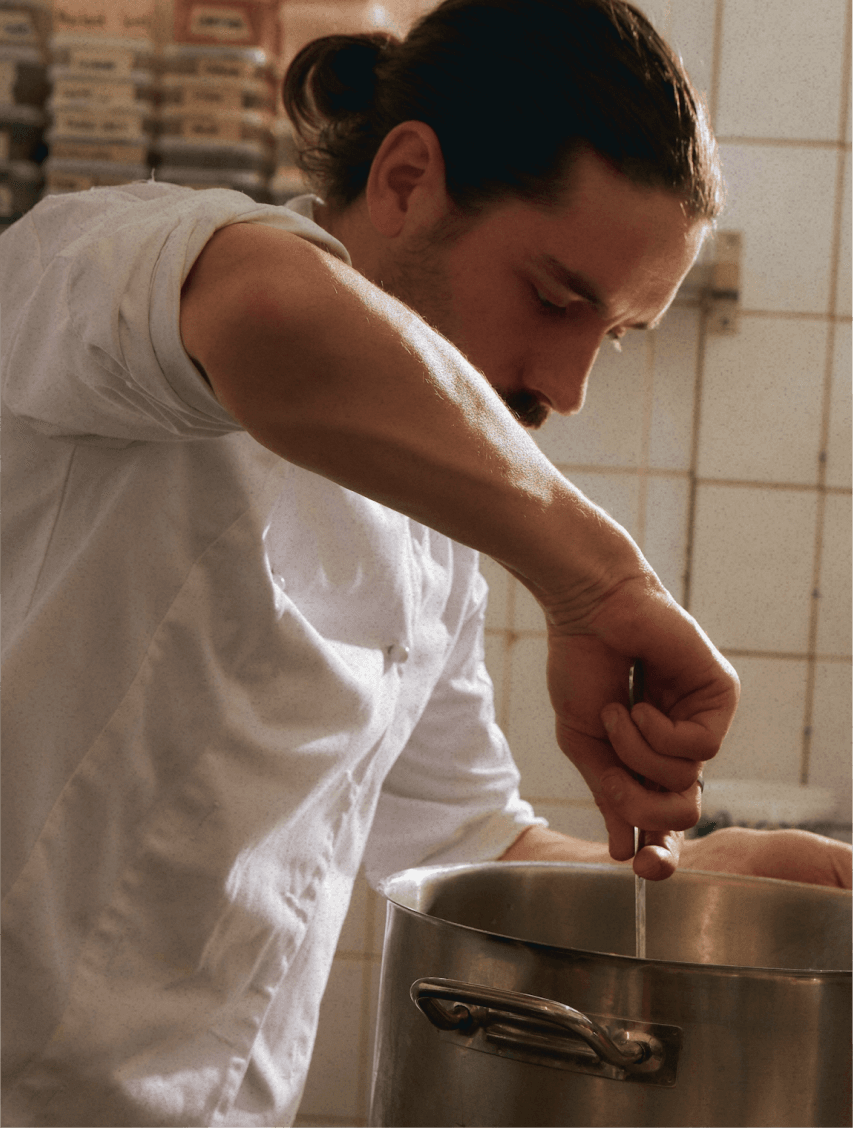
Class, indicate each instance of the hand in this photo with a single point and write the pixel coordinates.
(790, 855)
(691, 697)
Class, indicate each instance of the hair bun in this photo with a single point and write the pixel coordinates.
(343, 81)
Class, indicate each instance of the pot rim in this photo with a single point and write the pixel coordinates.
(428, 872)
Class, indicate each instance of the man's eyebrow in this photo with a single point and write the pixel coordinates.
(587, 289)
(579, 283)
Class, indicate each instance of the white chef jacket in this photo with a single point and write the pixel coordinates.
(227, 682)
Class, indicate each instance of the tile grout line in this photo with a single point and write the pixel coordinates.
(727, 483)
(787, 142)
(820, 517)
(693, 479)
(728, 651)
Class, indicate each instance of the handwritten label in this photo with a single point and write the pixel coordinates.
(101, 61)
(113, 125)
(224, 68)
(91, 90)
(7, 80)
(209, 127)
(16, 27)
(228, 24)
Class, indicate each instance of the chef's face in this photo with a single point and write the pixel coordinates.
(529, 293)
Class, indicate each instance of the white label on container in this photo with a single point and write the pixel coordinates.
(16, 27)
(220, 97)
(128, 19)
(101, 61)
(69, 15)
(208, 127)
(220, 23)
(91, 90)
(98, 151)
(69, 182)
(4, 145)
(224, 68)
(84, 123)
(7, 80)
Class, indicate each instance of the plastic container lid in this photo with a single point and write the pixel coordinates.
(143, 51)
(176, 51)
(749, 802)
(26, 171)
(247, 156)
(211, 177)
(11, 113)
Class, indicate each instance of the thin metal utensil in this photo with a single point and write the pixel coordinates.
(636, 687)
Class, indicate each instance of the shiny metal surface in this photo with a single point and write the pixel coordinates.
(753, 974)
(527, 1028)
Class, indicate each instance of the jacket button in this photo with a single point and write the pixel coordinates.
(397, 652)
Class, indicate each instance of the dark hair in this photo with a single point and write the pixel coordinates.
(513, 90)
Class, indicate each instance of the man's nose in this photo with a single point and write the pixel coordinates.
(561, 376)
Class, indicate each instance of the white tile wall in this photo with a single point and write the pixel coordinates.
(752, 566)
(829, 760)
(835, 613)
(781, 70)
(843, 304)
(752, 549)
(840, 434)
(766, 738)
(690, 30)
(762, 402)
(666, 526)
(674, 390)
(786, 222)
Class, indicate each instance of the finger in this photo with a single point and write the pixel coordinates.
(620, 834)
(659, 856)
(633, 749)
(693, 739)
(658, 811)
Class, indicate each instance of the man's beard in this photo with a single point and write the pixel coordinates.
(528, 410)
(420, 280)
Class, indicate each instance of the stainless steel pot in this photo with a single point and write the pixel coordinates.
(510, 996)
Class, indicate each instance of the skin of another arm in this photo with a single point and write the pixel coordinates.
(788, 855)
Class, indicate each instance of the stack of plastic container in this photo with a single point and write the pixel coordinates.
(102, 107)
(218, 96)
(287, 179)
(23, 88)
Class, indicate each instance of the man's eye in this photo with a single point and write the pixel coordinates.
(549, 306)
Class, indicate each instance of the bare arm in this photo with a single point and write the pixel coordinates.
(334, 375)
(788, 855)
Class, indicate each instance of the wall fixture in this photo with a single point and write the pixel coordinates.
(714, 282)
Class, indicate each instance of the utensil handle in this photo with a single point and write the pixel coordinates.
(467, 1007)
(636, 692)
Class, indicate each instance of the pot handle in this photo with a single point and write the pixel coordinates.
(472, 1006)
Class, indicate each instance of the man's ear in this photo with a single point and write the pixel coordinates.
(406, 185)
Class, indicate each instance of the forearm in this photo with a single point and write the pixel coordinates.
(334, 375)
(541, 844)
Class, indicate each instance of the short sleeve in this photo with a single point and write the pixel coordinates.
(90, 285)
